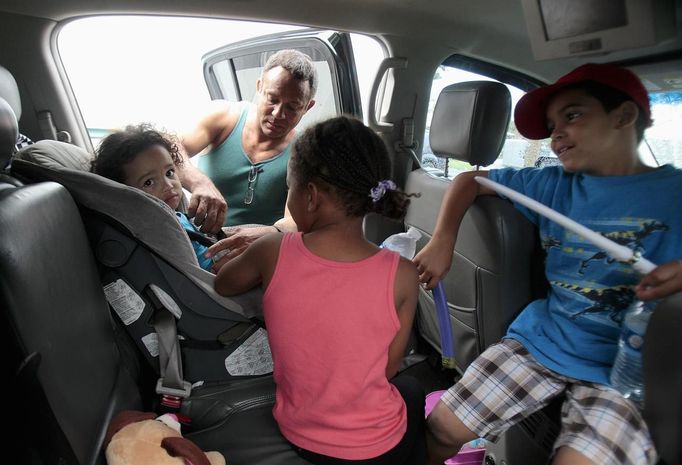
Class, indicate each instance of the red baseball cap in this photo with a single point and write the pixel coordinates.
(529, 114)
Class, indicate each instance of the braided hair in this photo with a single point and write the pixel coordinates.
(121, 147)
(350, 160)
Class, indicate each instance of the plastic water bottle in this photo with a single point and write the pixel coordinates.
(626, 374)
(403, 243)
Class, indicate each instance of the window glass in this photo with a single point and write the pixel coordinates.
(662, 144)
(663, 140)
(131, 69)
(248, 67)
(368, 54)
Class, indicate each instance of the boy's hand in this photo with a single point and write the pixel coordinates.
(663, 281)
(433, 262)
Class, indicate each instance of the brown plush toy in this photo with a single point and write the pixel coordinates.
(140, 438)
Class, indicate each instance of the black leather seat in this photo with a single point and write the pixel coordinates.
(70, 378)
(662, 360)
(492, 272)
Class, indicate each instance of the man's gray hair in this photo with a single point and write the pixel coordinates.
(298, 64)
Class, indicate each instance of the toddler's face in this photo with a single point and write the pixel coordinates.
(153, 171)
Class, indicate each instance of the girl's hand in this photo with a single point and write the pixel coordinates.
(237, 240)
(663, 281)
(433, 262)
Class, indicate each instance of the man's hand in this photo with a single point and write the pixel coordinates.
(208, 207)
(663, 281)
(433, 262)
(238, 239)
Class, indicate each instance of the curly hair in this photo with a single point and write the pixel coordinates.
(346, 157)
(121, 147)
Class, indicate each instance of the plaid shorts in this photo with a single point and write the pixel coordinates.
(505, 384)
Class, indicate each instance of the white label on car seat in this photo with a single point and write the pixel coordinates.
(124, 300)
(151, 342)
(253, 357)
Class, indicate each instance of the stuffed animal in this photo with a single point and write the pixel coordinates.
(140, 438)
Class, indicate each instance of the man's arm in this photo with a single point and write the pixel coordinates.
(207, 205)
(434, 260)
(286, 223)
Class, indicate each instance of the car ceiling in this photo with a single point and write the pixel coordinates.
(457, 26)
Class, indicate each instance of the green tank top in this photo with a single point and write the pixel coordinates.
(230, 169)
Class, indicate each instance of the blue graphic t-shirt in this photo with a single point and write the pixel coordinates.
(199, 249)
(574, 331)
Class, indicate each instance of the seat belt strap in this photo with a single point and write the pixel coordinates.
(166, 312)
(46, 124)
(49, 130)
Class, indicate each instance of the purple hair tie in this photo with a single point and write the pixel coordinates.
(378, 192)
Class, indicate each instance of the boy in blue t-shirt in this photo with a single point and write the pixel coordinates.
(595, 116)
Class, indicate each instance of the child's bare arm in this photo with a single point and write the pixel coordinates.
(663, 281)
(254, 266)
(434, 260)
(405, 296)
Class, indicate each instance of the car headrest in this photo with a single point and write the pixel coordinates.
(54, 154)
(470, 121)
(8, 132)
(10, 91)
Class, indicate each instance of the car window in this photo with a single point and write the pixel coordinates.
(517, 151)
(662, 144)
(130, 69)
(232, 73)
(663, 140)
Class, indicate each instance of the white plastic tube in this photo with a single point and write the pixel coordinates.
(613, 249)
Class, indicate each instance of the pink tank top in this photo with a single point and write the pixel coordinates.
(330, 325)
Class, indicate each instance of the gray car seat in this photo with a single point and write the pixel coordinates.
(151, 277)
(490, 279)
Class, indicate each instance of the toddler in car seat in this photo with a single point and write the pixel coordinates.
(566, 342)
(338, 309)
(142, 157)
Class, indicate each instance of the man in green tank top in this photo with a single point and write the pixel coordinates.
(242, 177)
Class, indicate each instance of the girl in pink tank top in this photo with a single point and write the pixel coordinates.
(338, 309)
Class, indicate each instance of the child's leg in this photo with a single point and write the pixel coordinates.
(501, 387)
(570, 456)
(602, 427)
(445, 435)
